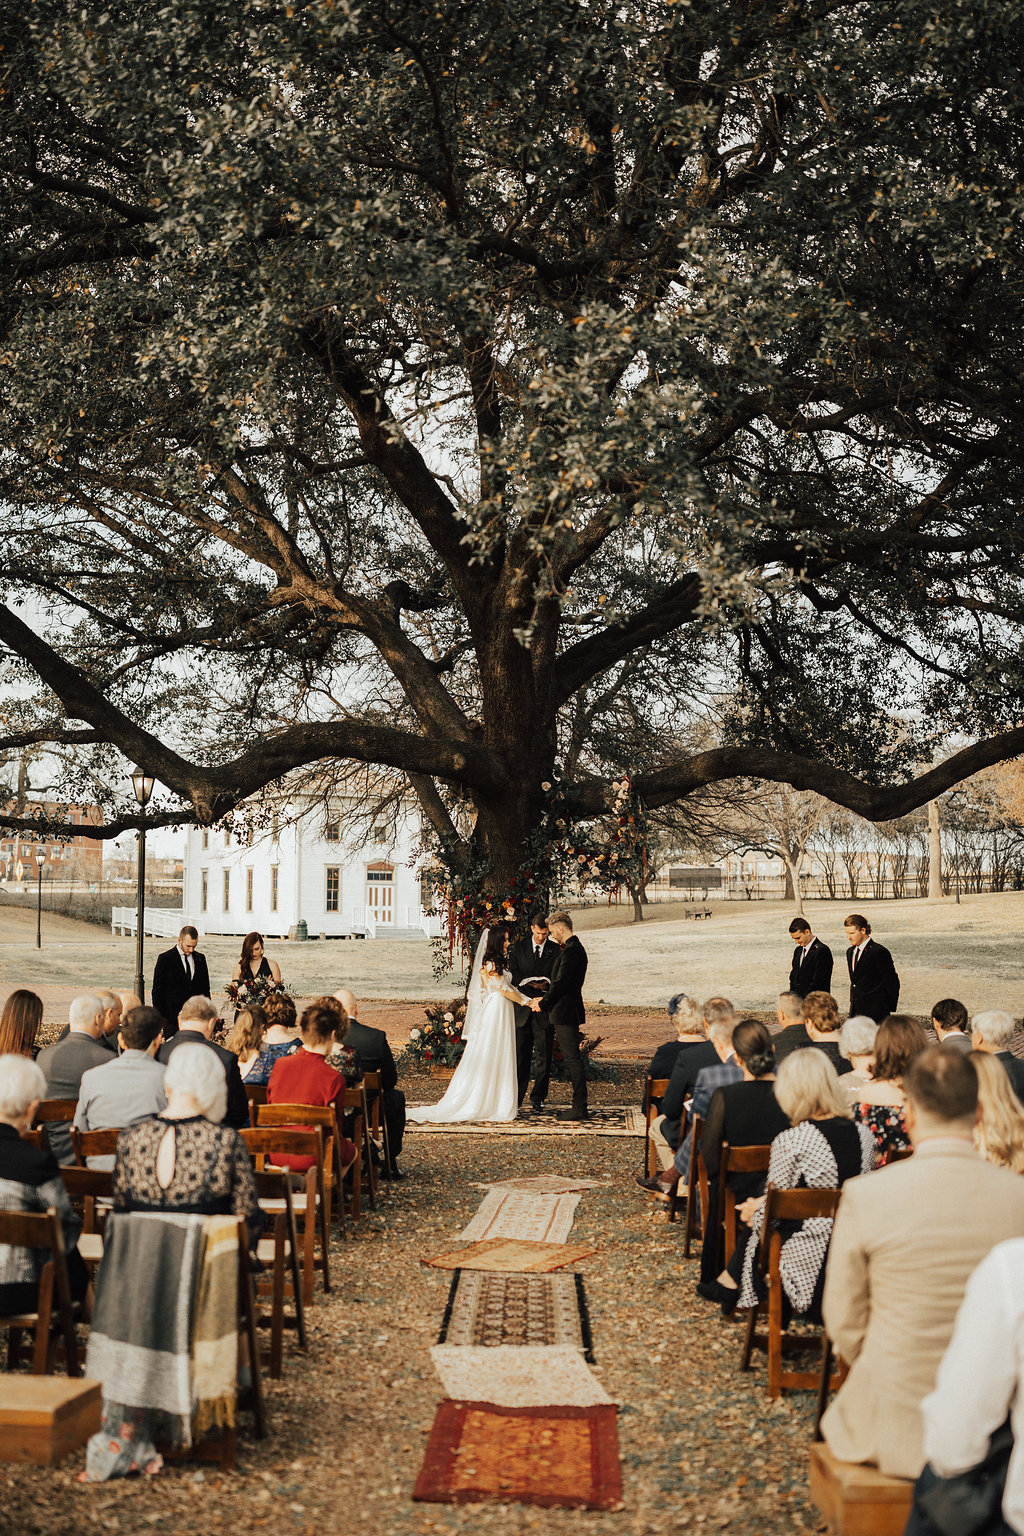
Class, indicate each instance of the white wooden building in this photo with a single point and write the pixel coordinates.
(300, 869)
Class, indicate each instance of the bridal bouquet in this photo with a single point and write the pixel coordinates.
(246, 994)
(439, 1043)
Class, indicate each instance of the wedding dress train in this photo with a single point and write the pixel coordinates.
(485, 1085)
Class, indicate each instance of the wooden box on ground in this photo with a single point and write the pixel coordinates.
(858, 1500)
(43, 1418)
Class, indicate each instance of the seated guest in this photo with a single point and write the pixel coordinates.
(792, 1035)
(30, 1181)
(999, 1132)
(341, 1056)
(19, 1024)
(980, 1383)
(689, 1065)
(821, 1150)
(305, 1078)
(185, 1159)
(112, 1007)
(197, 1020)
(949, 1021)
(992, 1032)
(687, 1016)
(821, 1016)
(373, 1054)
(725, 1070)
(65, 1063)
(282, 1036)
(857, 1046)
(245, 1040)
(128, 1087)
(129, 1000)
(906, 1241)
(744, 1114)
(880, 1102)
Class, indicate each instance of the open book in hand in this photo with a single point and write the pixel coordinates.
(536, 981)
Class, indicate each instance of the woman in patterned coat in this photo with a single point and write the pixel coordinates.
(821, 1149)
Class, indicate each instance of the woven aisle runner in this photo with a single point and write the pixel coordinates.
(524, 1420)
(604, 1120)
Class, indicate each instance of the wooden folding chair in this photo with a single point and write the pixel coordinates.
(36, 1229)
(376, 1120)
(783, 1205)
(90, 1191)
(735, 1160)
(697, 1191)
(280, 1252)
(256, 1093)
(655, 1088)
(86, 1144)
(50, 1110)
(363, 1172)
(324, 1116)
(311, 1203)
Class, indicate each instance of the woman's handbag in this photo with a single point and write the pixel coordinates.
(969, 1503)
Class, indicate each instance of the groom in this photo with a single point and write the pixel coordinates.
(563, 1005)
(534, 956)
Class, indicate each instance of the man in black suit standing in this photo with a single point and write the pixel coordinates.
(535, 956)
(374, 1055)
(811, 970)
(874, 984)
(563, 1003)
(180, 973)
(198, 1020)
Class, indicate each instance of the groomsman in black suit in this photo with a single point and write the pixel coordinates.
(874, 984)
(812, 961)
(180, 973)
(535, 956)
(563, 1003)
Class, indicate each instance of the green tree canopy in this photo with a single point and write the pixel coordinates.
(380, 375)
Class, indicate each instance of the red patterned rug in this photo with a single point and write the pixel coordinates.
(555, 1457)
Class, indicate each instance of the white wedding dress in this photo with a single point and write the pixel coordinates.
(485, 1085)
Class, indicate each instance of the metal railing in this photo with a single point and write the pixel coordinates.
(160, 922)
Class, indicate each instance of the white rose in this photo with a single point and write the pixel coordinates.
(545, 787)
(414, 1034)
(448, 1018)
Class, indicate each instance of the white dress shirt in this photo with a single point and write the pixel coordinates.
(981, 1373)
(187, 962)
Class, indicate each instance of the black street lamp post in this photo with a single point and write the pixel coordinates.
(40, 861)
(142, 783)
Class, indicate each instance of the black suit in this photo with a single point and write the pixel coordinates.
(813, 972)
(1014, 1071)
(563, 1004)
(690, 1062)
(374, 1054)
(172, 985)
(793, 1038)
(238, 1105)
(874, 984)
(63, 1065)
(533, 1030)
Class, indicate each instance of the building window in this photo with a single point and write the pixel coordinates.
(206, 837)
(273, 887)
(275, 826)
(227, 889)
(248, 890)
(333, 888)
(227, 839)
(380, 834)
(332, 831)
(204, 889)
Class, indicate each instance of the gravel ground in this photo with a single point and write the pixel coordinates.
(702, 1447)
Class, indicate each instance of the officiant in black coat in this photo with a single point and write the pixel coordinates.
(563, 1004)
(180, 973)
(535, 956)
(874, 984)
(811, 970)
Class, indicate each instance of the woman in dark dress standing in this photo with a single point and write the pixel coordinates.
(253, 964)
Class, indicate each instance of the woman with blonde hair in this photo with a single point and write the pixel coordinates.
(19, 1024)
(246, 1041)
(822, 1148)
(999, 1133)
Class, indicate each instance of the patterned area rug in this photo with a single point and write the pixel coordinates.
(605, 1120)
(488, 1310)
(512, 1256)
(545, 1184)
(553, 1457)
(522, 1213)
(517, 1376)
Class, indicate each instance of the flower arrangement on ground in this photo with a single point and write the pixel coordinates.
(439, 1043)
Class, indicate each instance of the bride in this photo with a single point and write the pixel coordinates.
(485, 1085)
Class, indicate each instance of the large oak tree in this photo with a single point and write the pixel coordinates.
(382, 377)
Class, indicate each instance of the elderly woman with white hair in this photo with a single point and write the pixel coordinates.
(183, 1159)
(30, 1180)
(857, 1045)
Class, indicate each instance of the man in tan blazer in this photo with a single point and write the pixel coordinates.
(905, 1242)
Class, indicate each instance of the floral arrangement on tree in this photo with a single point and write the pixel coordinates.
(248, 994)
(439, 1043)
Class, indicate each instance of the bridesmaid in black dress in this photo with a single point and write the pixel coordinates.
(253, 962)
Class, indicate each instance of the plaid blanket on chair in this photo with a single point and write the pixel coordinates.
(164, 1336)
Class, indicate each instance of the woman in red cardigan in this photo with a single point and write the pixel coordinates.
(305, 1078)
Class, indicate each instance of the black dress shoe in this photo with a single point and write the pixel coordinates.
(395, 1173)
(656, 1185)
(573, 1114)
(712, 1290)
(538, 1109)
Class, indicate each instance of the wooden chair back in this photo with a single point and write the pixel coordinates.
(655, 1089)
(50, 1110)
(363, 1172)
(266, 1141)
(696, 1190)
(900, 1155)
(86, 1187)
(87, 1144)
(279, 1251)
(324, 1117)
(736, 1160)
(256, 1093)
(42, 1230)
(376, 1119)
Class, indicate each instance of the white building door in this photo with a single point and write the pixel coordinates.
(380, 892)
